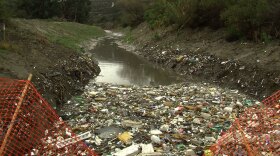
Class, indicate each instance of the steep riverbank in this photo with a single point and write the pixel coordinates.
(253, 68)
(51, 51)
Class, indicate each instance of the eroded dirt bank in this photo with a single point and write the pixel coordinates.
(59, 72)
(253, 68)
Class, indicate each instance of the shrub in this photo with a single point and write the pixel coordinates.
(209, 13)
(132, 12)
(246, 17)
(157, 16)
(168, 12)
(183, 12)
(273, 19)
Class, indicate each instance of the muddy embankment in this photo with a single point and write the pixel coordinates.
(59, 72)
(205, 55)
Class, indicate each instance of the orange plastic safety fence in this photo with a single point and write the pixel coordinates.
(37, 129)
(258, 134)
(272, 100)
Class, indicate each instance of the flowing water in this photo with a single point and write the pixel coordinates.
(119, 66)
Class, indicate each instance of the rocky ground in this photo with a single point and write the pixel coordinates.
(181, 119)
(253, 68)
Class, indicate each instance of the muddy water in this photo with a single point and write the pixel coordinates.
(119, 66)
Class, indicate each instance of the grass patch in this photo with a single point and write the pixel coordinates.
(128, 37)
(68, 34)
(2, 51)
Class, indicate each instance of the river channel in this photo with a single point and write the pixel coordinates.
(121, 67)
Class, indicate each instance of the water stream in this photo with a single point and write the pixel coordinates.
(119, 66)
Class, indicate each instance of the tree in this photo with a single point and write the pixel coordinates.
(6, 9)
(76, 10)
(73, 10)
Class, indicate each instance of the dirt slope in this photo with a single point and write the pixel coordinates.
(59, 72)
(253, 68)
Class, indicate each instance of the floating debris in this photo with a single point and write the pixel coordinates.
(181, 119)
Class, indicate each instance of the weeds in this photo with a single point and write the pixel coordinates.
(68, 34)
(256, 20)
(128, 38)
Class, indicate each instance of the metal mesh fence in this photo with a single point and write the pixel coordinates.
(30, 126)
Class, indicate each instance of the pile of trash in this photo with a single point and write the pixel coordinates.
(180, 119)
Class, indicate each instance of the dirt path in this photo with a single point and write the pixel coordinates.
(253, 68)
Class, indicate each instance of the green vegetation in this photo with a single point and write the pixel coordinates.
(68, 34)
(256, 20)
(132, 12)
(128, 38)
(71, 10)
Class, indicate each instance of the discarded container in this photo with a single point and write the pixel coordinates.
(164, 128)
(129, 151)
(69, 141)
(228, 109)
(155, 132)
(208, 153)
(181, 147)
(190, 152)
(155, 139)
(164, 116)
(147, 148)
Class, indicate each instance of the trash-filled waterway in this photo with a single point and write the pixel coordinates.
(135, 108)
(119, 66)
